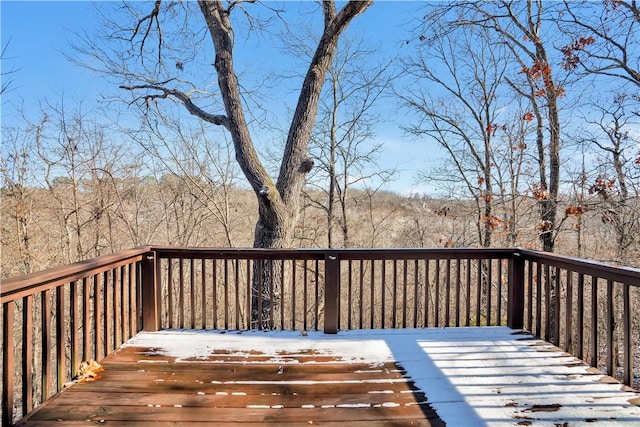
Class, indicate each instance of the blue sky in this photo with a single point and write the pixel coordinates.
(39, 33)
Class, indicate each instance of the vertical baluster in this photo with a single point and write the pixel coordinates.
(530, 295)
(404, 293)
(282, 294)
(394, 297)
(271, 294)
(181, 294)
(73, 327)
(539, 299)
(226, 294)
(317, 294)
(60, 335)
(97, 316)
(468, 294)
(105, 314)
(594, 321)
(27, 355)
(479, 281)
(117, 307)
(427, 292)
(447, 291)
(437, 298)
(46, 343)
(7, 362)
(458, 285)
(499, 296)
(416, 285)
(556, 326)
(215, 292)
(260, 281)
(170, 306)
(383, 314)
(611, 319)
(86, 319)
(140, 280)
(628, 349)
(349, 296)
(373, 294)
(124, 305)
(294, 294)
(305, 296)
(361, 294)
(568, 313)
(203, 292)
(547, 301)
(132, 300)
(489, 290)
(126, 301)
(192, 291)
(249, 296)
(580, 318)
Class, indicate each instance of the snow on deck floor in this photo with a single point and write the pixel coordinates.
(471, 376)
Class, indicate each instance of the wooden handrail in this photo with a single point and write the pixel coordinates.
(17, 287)
(620, 274)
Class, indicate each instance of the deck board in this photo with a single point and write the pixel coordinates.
(141, 387)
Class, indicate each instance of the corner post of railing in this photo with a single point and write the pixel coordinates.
(331, 292)
(515, 306)
(150, 293)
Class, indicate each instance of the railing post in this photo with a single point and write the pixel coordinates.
(331, 292)
(150, 294)
(515, 306)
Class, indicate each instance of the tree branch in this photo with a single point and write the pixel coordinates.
(216, 119)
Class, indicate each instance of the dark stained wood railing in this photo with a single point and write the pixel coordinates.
(414, 288)
(585, 308)
(52, 320)
(333, 289)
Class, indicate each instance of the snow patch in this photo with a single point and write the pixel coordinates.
(470, 376)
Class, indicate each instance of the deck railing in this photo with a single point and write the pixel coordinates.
(53, 320)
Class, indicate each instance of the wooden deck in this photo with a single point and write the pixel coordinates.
(399, 377)
(141, 387)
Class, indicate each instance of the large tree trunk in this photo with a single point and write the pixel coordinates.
(279, 202)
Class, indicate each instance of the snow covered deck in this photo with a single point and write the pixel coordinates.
(470, 377)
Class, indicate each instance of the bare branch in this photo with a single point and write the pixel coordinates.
(216, 119)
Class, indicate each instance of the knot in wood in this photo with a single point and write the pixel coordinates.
(306, 165)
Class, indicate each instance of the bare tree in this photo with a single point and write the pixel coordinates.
(202, 168)
(18, 204)
(6, 76)
(457, 103)
(343, 145)
(604, 39)
(151, 68)
(616, 182)
(79, 162)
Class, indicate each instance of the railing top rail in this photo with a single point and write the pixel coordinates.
(346, 254)
(19, 286)
(626, 275)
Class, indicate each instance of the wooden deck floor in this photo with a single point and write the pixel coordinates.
(470, 377)
(140, 387)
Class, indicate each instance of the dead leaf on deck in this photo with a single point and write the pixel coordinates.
(89, 371)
